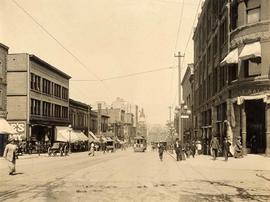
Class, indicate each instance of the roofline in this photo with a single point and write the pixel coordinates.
(37, 59)
(4, 46)
(79, 103)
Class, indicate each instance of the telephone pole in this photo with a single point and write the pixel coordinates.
(179, 56)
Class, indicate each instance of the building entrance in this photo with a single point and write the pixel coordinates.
(256, 140)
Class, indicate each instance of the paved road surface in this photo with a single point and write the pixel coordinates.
(129, 176)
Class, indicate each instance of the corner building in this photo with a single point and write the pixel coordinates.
(37, 97)
(232, 73)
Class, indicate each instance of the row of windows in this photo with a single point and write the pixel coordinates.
(48, 109)
(48, 87)
(223, 75)
(253, 12)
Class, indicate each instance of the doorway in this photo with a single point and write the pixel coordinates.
(256, 140)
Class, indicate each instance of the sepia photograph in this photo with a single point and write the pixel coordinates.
(134, 100)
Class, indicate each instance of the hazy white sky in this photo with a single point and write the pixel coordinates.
(111, 37)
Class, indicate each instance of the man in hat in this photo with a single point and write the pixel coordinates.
(226, 148)
(10, 155)
(215, 146)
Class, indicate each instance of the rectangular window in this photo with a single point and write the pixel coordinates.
(35, 82)
(253, 15)
(46, 87)
(46, 110)
(223, 33)
(35, 107)
(64, 93)
(64, 112)
(57, 111)
(215, 45)
(57, 90)
(233, 72)
(251, 68)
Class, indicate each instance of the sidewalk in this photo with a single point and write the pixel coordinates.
(248, 162)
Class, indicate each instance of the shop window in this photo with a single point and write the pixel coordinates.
(252, 69)
(233, 72)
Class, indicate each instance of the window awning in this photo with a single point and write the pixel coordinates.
(252, 50)
(65, 134)
(231, 58)
(5, 128)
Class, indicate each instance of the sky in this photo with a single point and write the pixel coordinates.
(108, 38)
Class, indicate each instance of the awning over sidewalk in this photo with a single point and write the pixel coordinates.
(92, 137)
(252, 50)
(65, 134)
(231, 58)
(5, 128)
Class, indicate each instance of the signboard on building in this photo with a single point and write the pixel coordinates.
(19, 127)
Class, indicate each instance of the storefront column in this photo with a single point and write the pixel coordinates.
(244, 128)
(267, 129)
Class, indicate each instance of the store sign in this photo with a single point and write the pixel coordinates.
(184, 116)
(19, 127)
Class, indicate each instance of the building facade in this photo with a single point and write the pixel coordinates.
(231, 73)
(3, 92)
(37, 97)
(79, 115)
(187, 85)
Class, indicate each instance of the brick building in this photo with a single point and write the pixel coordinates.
(79, 115)
(37, 97)
(231, 72)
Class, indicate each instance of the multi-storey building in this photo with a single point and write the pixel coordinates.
(104, 122)
(79, 114)
(231, 69)
(187, 85)
(3, 98)
(37, 97)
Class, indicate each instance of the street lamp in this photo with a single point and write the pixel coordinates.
(183, 113)
(69, 133)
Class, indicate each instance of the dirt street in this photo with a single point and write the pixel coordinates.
(129, 176)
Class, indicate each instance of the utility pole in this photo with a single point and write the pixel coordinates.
(179, 56)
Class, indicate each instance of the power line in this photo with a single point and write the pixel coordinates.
(179, 25)
(126, 75)
(60, 44)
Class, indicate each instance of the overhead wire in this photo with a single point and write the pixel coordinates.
(127, 75)
(179, 25)
(59, 43)
(189, 37)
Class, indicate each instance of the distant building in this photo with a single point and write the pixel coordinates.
(142, 126)
(231, 73)
(37, 97)
(187, 85)
(79, 114)
(94, 123)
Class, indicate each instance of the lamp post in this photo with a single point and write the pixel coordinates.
(183, 113)
(69, 133)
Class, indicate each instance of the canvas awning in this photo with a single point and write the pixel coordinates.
(93, 137)
(252, 50)
(231, 58)
(80, 135)
(5, 128)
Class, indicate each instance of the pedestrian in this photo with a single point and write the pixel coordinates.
(10, 155)
(178, 150)
(226, 147)
(214, 144)
(161, 149)
(92, 149)
(193, 148)
(238, 153)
